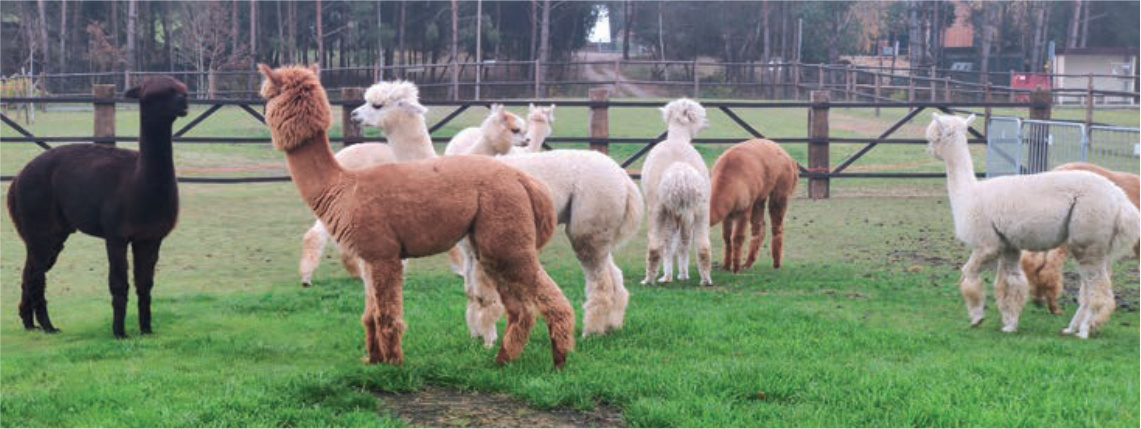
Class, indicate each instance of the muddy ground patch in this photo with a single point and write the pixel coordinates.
(446, 407)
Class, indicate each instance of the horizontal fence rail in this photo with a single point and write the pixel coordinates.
(818, 171)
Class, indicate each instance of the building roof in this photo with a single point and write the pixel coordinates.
(1097, 51)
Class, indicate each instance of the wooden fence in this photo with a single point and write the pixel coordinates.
(819, 171)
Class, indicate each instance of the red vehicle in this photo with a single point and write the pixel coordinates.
(1030, 82)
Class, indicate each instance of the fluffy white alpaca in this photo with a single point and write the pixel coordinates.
(601, 208)
(500, 131)
(395, 108)
(675, 181)
(1000, 217)
(540, 124)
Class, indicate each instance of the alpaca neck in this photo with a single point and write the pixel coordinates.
(410, 140)
(315, 172)
(538, 136)
(156, 164)
(679, 134)
(960, 170)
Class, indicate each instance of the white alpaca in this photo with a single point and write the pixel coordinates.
(1000, 217)
(395, 108)
(601, 208)
(675, 181)
(501, 131)
(540, 124)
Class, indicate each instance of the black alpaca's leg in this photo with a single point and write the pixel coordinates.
(146, 256)
(117, 281)
(42, 253)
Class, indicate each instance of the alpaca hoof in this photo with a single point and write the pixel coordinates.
(1067, 331)
(488, 343)
(146, 332)
(975, 323)
(707, 283)
(51, 331)
(647, 282)
(121, 337)
(1009, 329)
(306, 284)
(369, 361)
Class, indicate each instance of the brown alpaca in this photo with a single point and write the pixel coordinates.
(745, 177)
(394, 211)
(1044, 269)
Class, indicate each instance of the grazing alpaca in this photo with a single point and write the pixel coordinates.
(501, 131)
(395, 108)
(745, 177)
(122, 196)
(377, 214)
(540, 123)
(1000, 217)
(675, 182)
(1044, 269)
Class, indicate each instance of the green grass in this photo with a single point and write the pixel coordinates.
(864, 326)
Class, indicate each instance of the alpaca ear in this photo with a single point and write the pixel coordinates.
(496, 108)
(411, 107)
(267, 72)
(531, 107)
(971, 119)
(551, 113)
(315, 68)
(133, 92)
(937, 118)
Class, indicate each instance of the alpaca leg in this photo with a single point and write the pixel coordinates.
(599, 290)
(546, 297)
(654, 247)
(684, 246)
(621, 296)
(368, 319)
(117, 281)
(457, 261)
(757, 223)
(520, 322)
(727, 237)
(1053, 280)
(484, 308)
(146, 257)
(387, 289)
(312, 247)
(669, 255)
(42, 253)
(971, 285)
(1010, 290)
(1096, 299)
(704, 249)
(778, 208)
(739, 231)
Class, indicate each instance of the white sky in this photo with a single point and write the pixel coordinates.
(601, 31)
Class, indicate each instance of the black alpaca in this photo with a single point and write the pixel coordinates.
(122, 196)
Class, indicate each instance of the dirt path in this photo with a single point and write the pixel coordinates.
(604, 73)
(443, 407)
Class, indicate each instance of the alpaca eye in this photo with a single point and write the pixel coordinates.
(377, 105)
(515, 130)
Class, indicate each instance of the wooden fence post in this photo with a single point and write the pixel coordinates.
(878, 100)
(617, 76)
(819, 77)
(818, 145)
(696, 81)
(796, 80)
(947, 89)
(349, 128)
(600, 120)
(849, 88)
(910, 85)
(1089, 102)
(932, 82)
(104, 113)
(538, 71)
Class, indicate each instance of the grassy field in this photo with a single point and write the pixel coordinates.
(863, 326)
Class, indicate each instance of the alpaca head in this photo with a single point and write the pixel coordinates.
(685, 114)
(944, 131)
(540, 119)
(389, 103)
(504, 129)
(160, 96)
(296, 108)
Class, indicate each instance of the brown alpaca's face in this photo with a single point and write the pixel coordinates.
(163, 96)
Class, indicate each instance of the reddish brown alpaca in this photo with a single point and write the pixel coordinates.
(1044, 269)
(745, 177)
(394, 211)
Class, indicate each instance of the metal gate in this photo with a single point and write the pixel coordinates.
(1017, 146)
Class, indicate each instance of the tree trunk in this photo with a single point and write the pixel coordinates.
(291, 25)
(1075, 24)
(534, 31)
(132, 45)
(44, 47)
(990, 10)
(627, 20)
(61, 66)
(544, 44)
(253, 31)
(455, 60)
(320, 38)
(765, 12)
(167, 42)
(1085, 24)
(1038, 46)
(403, 52)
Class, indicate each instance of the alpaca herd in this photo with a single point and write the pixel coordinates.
(496, 198)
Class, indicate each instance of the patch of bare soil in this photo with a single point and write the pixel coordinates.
(444, 407)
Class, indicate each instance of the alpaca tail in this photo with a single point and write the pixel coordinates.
(635, 208)
(1126, 230)
(546, 220)
(13, 190)
(680, 191)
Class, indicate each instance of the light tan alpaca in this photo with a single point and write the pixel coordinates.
(395, 108)
(540, 124)
(1044, 269)
(746, 178)
(501, 131)
(675, 182)
(378, 215)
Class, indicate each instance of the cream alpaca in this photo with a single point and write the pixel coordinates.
(395, 108)
(500, 131)
(377, 214)
(676, 184)
(1000, 217)
(540, 124)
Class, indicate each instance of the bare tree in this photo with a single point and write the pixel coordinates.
(320, 37)
(253, 30)
(132, 44)
(1075, 25)
(627, 21)
(990, 30)
(455, 93)
(206, 38)
(62, 37)
(44, 47)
